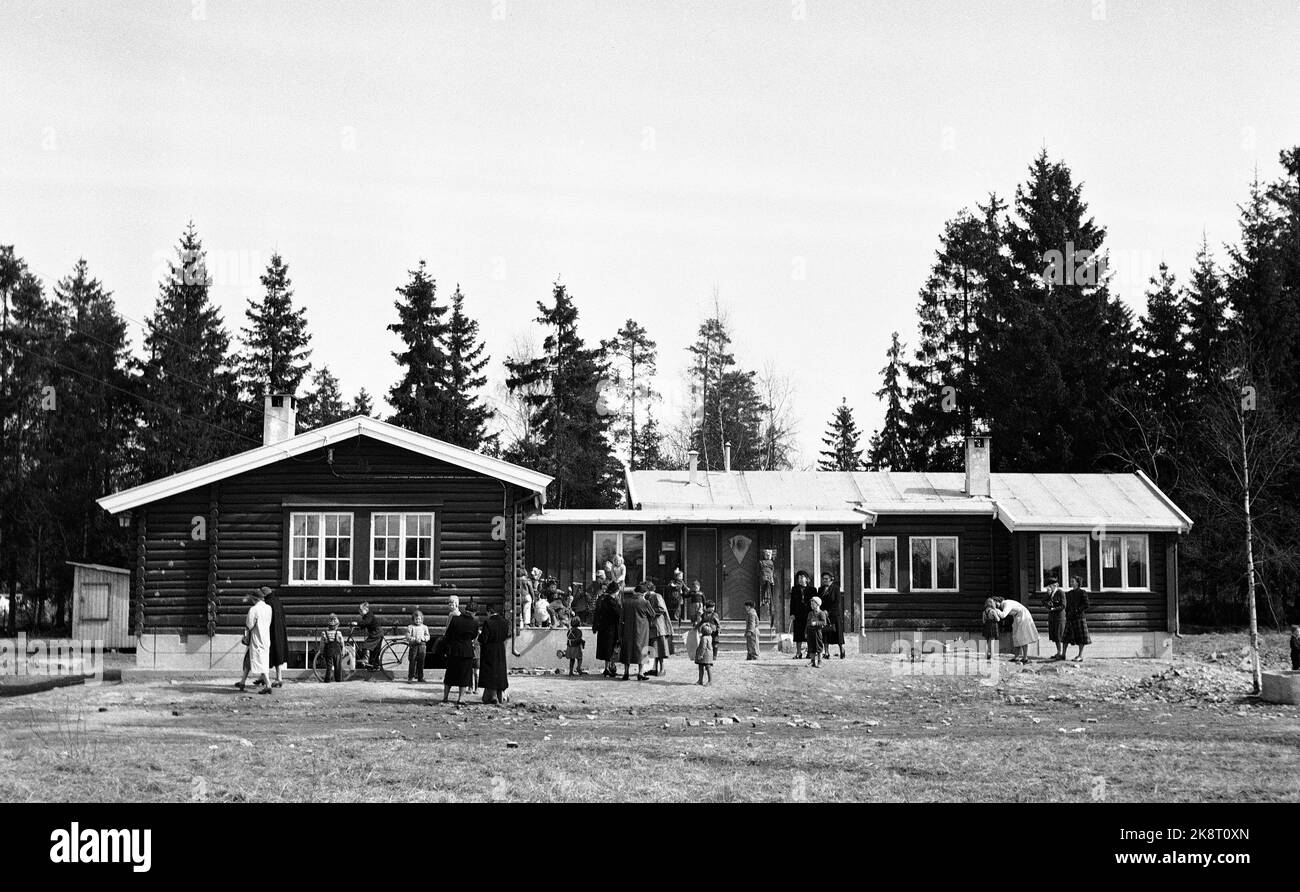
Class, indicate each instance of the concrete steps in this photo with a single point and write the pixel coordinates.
(732, 636)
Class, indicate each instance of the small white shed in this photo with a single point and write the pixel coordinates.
(101, 605)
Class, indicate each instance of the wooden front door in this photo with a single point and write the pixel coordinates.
(738, 556)
(702, 561)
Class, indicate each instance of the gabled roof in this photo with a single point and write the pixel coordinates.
(358, 425)
(1041, 502)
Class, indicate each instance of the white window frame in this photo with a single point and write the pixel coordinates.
(401, 549)
(869, 563)
(934, 564)
(1123, 562)
(1064, 556)
(618, 549)
(818, 569)
(320, 551)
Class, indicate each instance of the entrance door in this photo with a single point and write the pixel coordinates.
(702, 561)
(738, 555)
(92, 611)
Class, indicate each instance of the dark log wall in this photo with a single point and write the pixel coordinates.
(1111, 611)
(564, 550)
(246, 539)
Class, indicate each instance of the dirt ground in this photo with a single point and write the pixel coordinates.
(862, 729)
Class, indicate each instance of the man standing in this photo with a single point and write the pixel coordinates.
(257, 634)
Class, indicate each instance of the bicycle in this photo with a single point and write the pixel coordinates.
(392, 656)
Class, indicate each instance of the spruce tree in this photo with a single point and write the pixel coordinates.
(1161, 372)
(467, 415)
(324, 404)
(420, 398)
(1205, 309)
(362, 404)
(841, 442)
(192, 406)
(562, 388)
(651, 454)
(275, 351)
(891, 447)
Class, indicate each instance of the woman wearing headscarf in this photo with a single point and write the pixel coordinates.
(634, 632)
(279, 635)
(800, 594)
(605, 618)
(461, 632)
(492, 640)
(833, 633)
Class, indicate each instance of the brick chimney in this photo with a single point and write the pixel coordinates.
(279, 418)
(978, 466)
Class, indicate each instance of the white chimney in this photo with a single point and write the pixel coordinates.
(726, 456)
(978, 466)
(695, 464)
(279, 418)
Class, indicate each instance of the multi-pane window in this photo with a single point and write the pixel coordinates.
(606, 544)
(320, 548)
(880, 560)
(934, 563)
(816, 553)
(1125, 562)
(401, 548)
(1064, 557)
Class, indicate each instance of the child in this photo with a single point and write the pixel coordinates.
(541, 612)
(694, 601)
(706, 628)
(576, 644)
(675, 596)
(1295, 648)
(992, 621)
(751, 631)
(813, 626)
(767, 579)
(331, 641)
(417, 638)
(711, 614)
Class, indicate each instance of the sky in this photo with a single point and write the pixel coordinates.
(795, 158)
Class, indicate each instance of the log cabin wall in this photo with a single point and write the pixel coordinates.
(245, 543)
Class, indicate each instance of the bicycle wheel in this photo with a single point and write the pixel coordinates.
(349, 663)
(390, 660)
(318, 665)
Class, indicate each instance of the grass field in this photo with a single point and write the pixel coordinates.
(774, 730)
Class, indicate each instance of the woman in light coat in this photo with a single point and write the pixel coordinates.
(1023, 630)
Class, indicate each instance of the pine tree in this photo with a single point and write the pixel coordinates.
(633, 363)
(562, 388)
(1161, 371)
(841, 442)
(891, 448)
(362, 404)
(420, 398)
(324, 405)
(275, 343)
(1205, 308)
(467, 415)
(186, 377)
(730, 407)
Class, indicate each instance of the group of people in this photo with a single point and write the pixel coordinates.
(1067, 621)
(817, 617)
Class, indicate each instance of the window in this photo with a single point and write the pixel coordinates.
(320, 548)
(816, 553)
(880, 559)
(1064, 557)
(401, 548)
(1125, 562)
(934, 563)
(606, 544)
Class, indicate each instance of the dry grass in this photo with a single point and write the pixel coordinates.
(881, 737)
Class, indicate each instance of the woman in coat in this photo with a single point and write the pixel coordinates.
(832, 605)
(461, 632)
(1054, 596)
(1023, 630)
(279, 636)
(661, 632)
(634, 631)
(604, 621)
(492, 640)
(800, 594)
(1076, 620)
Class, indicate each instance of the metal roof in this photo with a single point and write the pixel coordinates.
(1019, 501)
(328, 435)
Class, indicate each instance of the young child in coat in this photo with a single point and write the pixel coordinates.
(991, 623)
(751, 631)
(706, 629)
(813, 626)
(417, 639)
(575, 645)
(331, 641)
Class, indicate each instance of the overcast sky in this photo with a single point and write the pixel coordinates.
(799, 158)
